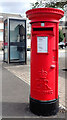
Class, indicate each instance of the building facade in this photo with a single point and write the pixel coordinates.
(4, 16)
(1, 31)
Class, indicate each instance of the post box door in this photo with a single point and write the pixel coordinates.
(43, 67)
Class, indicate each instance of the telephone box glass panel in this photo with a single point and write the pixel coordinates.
(17, 40)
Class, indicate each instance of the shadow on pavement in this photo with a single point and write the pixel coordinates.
(15, 109)
(22, 110)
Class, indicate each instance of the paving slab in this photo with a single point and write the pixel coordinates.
(16, 89)
(23, 72)
(15, 98)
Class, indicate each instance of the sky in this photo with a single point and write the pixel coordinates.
(15, 6)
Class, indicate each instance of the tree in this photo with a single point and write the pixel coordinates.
(35, 5)
(61, 36)
(39, 3)
(53, 3)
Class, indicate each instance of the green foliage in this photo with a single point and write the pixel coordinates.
(53, 4)
(61, 36)
(56, 4)
(29, 34)
(35, 5)
(39, 3)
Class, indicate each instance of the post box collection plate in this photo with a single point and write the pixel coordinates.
(42, 44)
(44, 60)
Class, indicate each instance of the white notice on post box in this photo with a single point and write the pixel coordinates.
(42, 44)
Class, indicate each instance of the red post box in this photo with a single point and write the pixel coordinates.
(44, 60)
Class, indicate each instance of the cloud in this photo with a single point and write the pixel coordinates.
(13, 6)
(17, 1)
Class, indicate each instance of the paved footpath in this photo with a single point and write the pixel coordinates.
(23, 72)
(15, 94)
(16, 89)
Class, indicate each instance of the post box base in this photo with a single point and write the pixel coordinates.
(44, 108)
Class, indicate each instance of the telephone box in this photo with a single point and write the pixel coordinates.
(15, 50)
(44, 60)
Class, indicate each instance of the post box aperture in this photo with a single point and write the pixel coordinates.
(44, 60)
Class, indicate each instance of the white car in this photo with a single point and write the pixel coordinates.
(61, 44)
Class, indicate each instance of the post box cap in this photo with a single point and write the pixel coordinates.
(42, 14)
